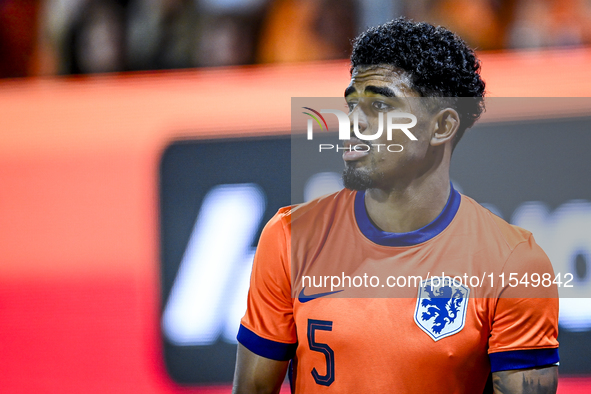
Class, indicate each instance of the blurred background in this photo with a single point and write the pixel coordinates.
(125, 125)
(60, 37)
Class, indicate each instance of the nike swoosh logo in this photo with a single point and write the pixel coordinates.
(304, 298)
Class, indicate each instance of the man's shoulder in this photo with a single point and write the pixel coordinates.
(313, 217)
(493, 224)
(342, 199)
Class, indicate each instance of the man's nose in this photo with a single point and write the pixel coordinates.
(357, 119)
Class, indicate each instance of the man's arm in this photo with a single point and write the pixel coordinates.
(526, 381)
(257, 375)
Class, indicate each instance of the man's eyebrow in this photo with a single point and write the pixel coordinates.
(382, 91)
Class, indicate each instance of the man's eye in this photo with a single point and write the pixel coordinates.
(381, 106)
(351, 105)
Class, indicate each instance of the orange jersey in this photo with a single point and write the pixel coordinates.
(389, 336)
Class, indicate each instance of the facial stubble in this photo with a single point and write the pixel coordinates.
(360, 179)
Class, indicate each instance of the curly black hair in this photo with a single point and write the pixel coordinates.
(439, 62)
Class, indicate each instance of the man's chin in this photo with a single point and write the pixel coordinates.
(356, 179)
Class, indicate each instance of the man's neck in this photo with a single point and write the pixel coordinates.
(408, 208)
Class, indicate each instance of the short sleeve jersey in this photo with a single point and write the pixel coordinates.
(423, 339)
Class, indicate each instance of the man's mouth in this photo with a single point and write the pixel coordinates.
(354, 149)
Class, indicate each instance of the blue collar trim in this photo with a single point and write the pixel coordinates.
(416, 237)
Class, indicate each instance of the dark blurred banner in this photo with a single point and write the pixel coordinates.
(216, 196)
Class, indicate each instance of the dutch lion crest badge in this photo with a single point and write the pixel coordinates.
(441, 307)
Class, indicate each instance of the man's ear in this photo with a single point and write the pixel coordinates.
(447, 122)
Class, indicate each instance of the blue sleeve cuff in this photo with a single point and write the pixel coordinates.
(522, 359)
(265, 347)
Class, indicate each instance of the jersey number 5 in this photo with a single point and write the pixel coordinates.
(324, 325)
